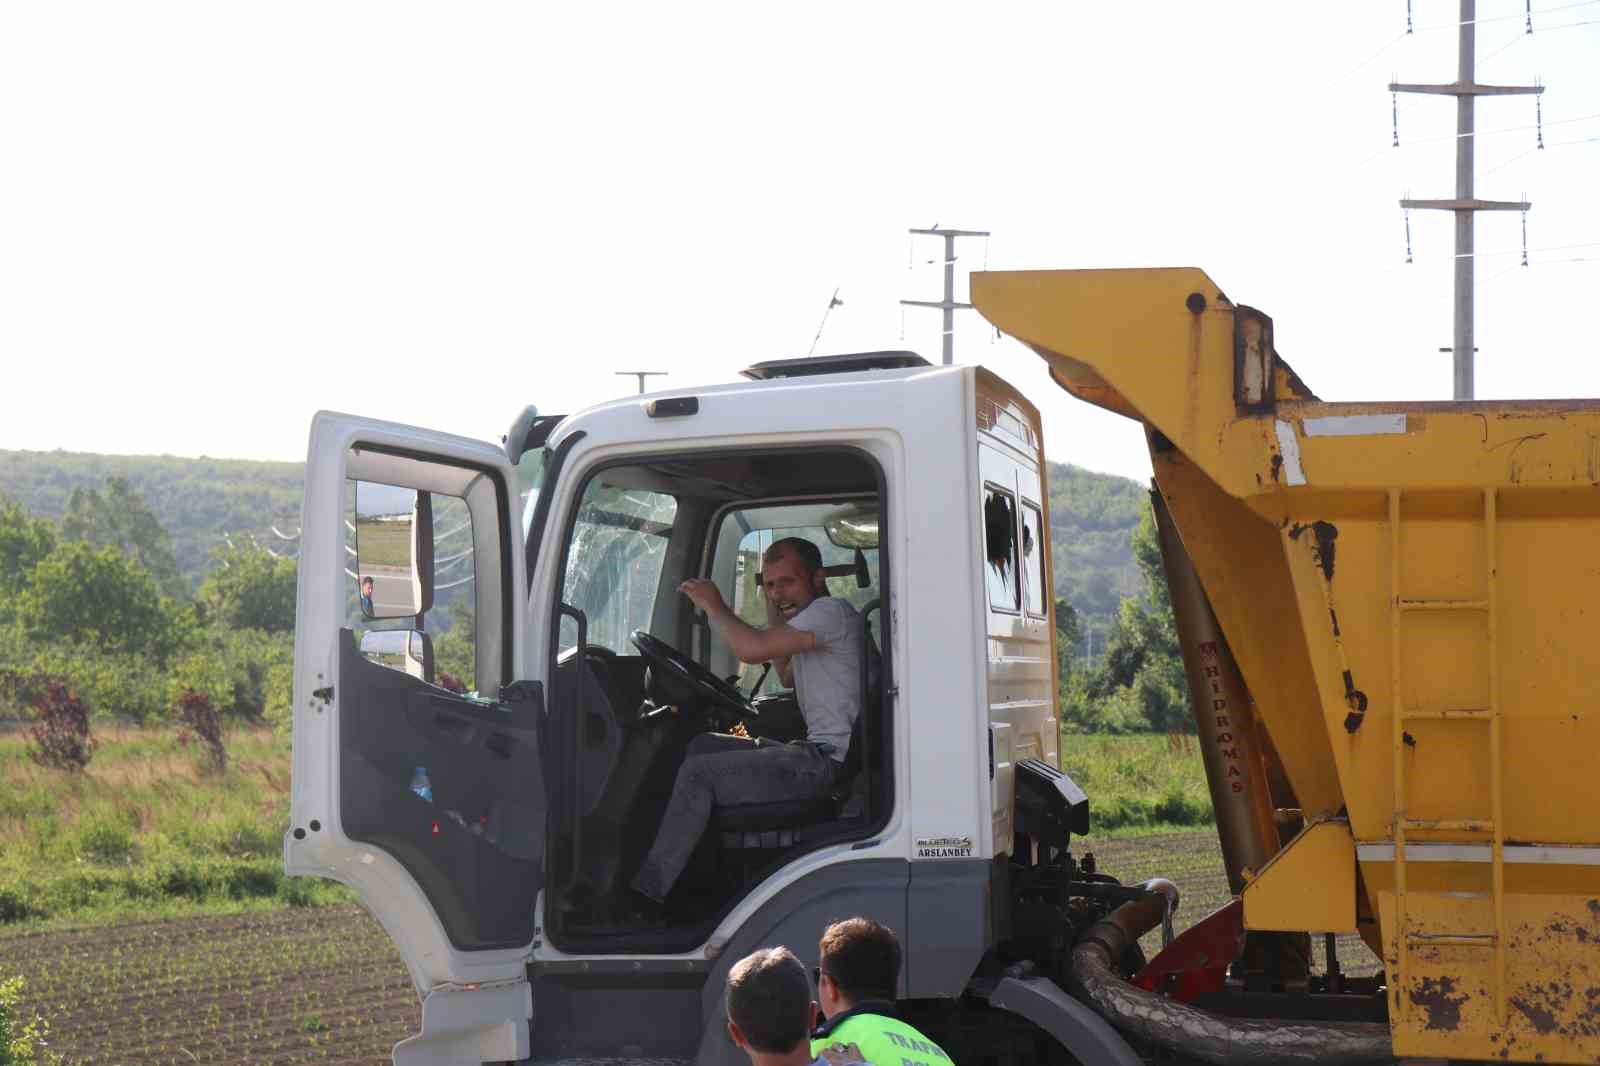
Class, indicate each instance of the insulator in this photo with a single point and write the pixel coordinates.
(1408, 15)
(1394, 117)
(1529, 8)
(1538, 118)
(1524, 238)
(1408, 236)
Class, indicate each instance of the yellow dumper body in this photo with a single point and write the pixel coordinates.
(1411, 591)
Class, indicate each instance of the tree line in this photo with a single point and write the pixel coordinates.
(95, 602)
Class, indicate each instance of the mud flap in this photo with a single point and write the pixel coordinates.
(466, 1026)
(1074, 1025)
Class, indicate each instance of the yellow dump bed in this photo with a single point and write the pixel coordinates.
(1411, 591)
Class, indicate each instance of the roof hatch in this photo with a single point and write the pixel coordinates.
(832, 364)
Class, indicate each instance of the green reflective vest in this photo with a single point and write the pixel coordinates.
(883, 1041)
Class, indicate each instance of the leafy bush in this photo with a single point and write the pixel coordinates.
(24, 540)
(278, 697)
(60, 734)
(250, 589)
(95, 595)
(22, 1043)
(201, 724)
(106, 840)
(112, 684)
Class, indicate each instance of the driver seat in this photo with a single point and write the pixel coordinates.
(748, 827)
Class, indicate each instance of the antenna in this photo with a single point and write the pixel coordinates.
(948, 305)
(641, 375)
(1466, 90)
(833, 301)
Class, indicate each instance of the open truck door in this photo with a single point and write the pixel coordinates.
(418, 779)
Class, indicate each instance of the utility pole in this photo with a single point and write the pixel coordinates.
(1466, 90)
(641, 375)
(948, 305)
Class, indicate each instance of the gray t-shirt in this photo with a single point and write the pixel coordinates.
(827, 681)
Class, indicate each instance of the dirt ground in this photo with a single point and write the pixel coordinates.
(325, 985)
(321, 985)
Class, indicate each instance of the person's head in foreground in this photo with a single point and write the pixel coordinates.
(860, 963)
(770, 1007)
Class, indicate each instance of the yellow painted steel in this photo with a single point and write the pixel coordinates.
(1309, 885)
(1412, 591)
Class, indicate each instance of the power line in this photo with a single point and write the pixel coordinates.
(1538, 148)
(1520, 251)
(1469, 134)
(1507, 18)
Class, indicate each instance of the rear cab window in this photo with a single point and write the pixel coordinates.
(742, 539)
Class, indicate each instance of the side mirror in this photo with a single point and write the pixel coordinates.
(394, 550)
(408, 650)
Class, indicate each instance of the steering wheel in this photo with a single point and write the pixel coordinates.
(720, 694)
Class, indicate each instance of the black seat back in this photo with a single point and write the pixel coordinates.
(866, 736)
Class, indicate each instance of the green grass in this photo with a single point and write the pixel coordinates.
(384, 543)
(1139, 784)
(147, 830)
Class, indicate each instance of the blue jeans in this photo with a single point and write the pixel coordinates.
(725, 771)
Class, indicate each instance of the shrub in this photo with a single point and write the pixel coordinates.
(127, 685)
(14, 906)
(79, 593)
(60, 737)
(22, 1044)
(250, 588)
(278, 694)
(202, 724)
(105, 840)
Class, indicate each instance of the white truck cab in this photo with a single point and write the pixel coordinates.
(486, 790)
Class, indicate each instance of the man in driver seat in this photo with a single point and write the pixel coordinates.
(814, 641)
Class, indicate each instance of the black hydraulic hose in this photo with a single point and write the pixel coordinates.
(1194, 1032)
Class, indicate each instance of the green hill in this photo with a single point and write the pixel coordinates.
(197, 500)
(200, 500)
(1092, 517)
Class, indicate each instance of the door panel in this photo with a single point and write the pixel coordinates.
(425, 794)
(475, 848)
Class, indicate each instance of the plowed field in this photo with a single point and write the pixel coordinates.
(308, 985)
(325, 985)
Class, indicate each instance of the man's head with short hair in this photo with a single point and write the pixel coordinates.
(792, 575)
(809, 554)
(366, 585)
(769, 1002)
(860, 962)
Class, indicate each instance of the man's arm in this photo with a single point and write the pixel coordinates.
(784, 664)
(776, 643)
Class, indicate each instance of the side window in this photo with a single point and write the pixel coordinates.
(614, 563)
(1000, 554)
(1033, 558)
(392, 534)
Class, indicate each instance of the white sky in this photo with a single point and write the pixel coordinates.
(217, 218)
